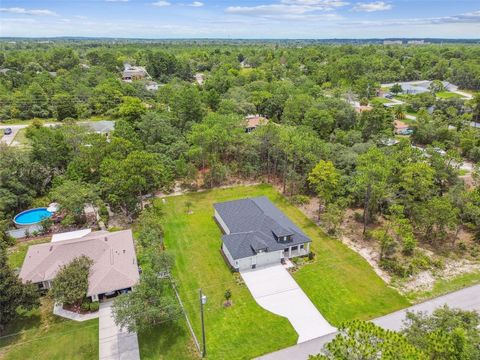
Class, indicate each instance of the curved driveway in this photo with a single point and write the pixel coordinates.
(275, 290)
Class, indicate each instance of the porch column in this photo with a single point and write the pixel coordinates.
(289, 252)
(308, 248)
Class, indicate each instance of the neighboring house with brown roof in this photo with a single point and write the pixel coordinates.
(400, 126)
(114, 267)
(253, 121)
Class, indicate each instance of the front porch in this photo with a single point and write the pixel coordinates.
(296, 250)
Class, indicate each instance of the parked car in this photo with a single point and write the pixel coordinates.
(7, 131)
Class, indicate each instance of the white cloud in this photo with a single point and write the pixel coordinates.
(161, 3)
(373, 6)
(289, 9)
(196, 4)
(23, 11)
(317, 3)
(466, 18)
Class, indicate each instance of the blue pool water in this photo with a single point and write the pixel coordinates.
(32, 216)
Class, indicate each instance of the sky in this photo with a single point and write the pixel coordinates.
(257, 19)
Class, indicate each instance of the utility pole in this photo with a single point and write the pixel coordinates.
(203, 301)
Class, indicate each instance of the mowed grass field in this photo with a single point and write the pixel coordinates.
(39, 334)
(340, 283)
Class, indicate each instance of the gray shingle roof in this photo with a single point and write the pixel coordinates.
(255, 224)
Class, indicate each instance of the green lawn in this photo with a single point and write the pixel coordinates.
(340, 283)
(21, 138)
(448, 95)
(41, 335)
(380, 100)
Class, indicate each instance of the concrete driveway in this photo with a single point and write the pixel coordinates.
(115, 343)
(274, 289)
(8, 139)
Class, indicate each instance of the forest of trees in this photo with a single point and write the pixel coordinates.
(195, 134)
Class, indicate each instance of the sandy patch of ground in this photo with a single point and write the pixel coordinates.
(351, 234)
(425, 280)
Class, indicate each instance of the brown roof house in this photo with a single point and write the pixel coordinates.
(113, 254)
(253, 121)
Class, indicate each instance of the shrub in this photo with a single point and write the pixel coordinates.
(393, 266)
(299, 199)
(311, 255)
(85, 306)
(462, 246)
(94, 306)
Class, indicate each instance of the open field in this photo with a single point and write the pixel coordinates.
(340, 283)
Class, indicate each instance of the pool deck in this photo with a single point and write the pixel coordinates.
(20, 233)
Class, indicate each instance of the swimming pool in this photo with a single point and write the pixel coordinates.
(31, 217)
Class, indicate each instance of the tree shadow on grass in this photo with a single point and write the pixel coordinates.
(171, 340)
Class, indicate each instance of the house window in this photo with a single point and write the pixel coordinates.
(236, 263)
(301, 246)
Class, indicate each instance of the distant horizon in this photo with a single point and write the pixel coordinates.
(246, 19)
(242, 38)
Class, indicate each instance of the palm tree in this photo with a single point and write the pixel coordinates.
(399, 112)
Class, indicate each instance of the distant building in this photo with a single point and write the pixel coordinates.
(400, 127)
(131, 73)
(361, 108)
(253, 121)
(152, 86)
(200, 78)
(392, 42)
(416, 42)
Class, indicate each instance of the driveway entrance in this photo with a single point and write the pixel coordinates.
(115, 343)
(274, 289)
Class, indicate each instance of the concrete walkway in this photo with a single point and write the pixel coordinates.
(115, 343)
(465, 299)
(274, 289)
(60, 311)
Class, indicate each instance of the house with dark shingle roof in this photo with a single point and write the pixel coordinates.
(256, 233)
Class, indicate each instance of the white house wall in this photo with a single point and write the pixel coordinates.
(222, 223)
(245, 263)
(228, 255)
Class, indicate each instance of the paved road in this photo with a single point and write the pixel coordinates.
(274, 289)
(115, 343)
(466, 299)
(102, 126)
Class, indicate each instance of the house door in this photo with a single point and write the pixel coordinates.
(254, 262)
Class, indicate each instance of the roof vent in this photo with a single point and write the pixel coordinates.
(105, 238)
